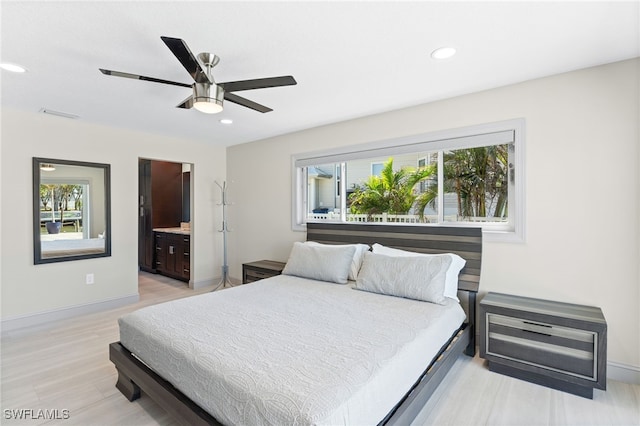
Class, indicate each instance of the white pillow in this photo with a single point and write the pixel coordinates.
(417, 277)
(451, 283)
(357, 256)
(323, 263)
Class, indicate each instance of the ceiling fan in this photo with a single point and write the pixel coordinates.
(208, 95)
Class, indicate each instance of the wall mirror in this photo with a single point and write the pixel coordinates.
(71, 210)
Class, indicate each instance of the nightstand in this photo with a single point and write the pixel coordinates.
(254, 271)
(554, 344)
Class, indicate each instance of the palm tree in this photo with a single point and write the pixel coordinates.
(478, 177)
(391, 192)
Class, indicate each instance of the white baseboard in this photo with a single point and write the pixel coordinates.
(196, 285)
(623, 373)
(213, 282)
(42, 318)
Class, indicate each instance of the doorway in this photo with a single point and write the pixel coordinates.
(165, 194)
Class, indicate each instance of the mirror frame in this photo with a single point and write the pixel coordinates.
(37, 248)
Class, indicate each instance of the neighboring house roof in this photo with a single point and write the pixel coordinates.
(318, 173)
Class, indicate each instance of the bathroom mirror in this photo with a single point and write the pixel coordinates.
(71, 210)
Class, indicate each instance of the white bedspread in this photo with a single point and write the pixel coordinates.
(291, 351)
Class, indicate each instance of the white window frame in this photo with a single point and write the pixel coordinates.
(373, 165)
(460, 138)
(86, 198)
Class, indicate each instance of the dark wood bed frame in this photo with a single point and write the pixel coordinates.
(135, 377)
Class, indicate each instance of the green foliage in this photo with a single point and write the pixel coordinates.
(59, 195)
(479, 178)
(392, 192)
(46, 191)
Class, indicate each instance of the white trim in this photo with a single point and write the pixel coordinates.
(464, 137)
(298, 180)
(33, 320)
(197, 285)
(467, 137)
(623, 373)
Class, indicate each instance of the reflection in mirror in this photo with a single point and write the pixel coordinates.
(71, 210)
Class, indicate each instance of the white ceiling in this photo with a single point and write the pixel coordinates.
(351, 59)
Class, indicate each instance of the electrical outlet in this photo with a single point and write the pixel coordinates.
(89, 279)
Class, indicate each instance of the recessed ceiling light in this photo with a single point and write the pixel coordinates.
(443, 53)
(226, 121)
(12, 67)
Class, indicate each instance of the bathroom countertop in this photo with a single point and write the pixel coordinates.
(176, 230)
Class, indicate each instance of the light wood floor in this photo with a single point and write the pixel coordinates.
(65, 366)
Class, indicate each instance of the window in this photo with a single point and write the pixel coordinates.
(376, 169)
(65, 203)
(466, 177)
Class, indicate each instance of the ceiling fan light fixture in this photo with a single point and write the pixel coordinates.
(208, 98)
(208, 105)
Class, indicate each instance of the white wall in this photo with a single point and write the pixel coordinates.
(582, 189)
(29, 289)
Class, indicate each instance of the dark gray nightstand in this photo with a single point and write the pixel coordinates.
(254, 271)
(559, 345)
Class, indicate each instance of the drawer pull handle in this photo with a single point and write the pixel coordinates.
(538, 325)
(537, 332)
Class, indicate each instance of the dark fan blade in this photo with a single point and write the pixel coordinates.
(187, 59)
(141, 77)
(260, 83)
(245, 102)
(187, 103)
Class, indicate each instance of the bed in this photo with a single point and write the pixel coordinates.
(297, 350)
(75, 247)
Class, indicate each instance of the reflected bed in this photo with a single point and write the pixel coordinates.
(76, 247)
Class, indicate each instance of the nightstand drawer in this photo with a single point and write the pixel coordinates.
(255, 274)
(550, 346)
(255, 271)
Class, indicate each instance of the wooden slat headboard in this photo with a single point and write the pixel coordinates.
(465, 242)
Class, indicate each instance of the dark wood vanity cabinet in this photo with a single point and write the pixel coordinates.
(172, 255)
(160, 205)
